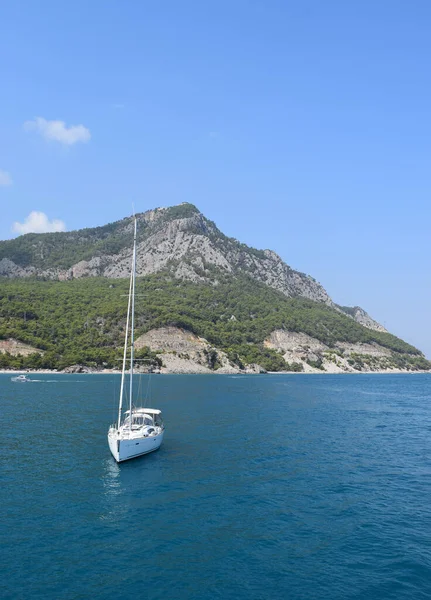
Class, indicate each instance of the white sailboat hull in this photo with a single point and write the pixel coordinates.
(126, 448)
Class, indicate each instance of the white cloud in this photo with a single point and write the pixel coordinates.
(38, 222)
(58, 131)
(5, 178)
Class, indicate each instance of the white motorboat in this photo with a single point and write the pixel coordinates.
(138, 431)
(20, 379)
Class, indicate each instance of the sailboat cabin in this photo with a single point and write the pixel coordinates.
(144, 416)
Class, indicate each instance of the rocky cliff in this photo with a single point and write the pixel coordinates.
(179, 240)
(181, 351)
(343, 357)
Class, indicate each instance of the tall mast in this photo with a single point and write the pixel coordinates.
(126, 339)
(132, 332)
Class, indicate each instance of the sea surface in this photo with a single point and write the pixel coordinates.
(266, 487)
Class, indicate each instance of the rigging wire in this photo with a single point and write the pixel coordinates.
(148, 394)
(114, 401)
(139, 387)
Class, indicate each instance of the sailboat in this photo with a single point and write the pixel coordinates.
(137, 431)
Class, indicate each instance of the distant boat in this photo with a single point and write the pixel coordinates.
(20, 379)
(139, 430)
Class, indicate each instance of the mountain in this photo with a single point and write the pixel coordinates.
(178, 239)
(205, 303)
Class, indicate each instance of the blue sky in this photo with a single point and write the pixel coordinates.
(300, 126)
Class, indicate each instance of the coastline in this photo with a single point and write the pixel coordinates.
(168, 372)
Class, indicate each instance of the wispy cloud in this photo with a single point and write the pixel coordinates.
(58, 131)
(118, 106)
(5, 178)
(214, 135)
(38, 222)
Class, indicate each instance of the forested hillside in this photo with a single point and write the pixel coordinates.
(82, 321)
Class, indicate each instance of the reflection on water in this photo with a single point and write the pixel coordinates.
(111, 478)
(112, 491)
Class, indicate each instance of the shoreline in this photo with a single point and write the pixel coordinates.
(118, 372)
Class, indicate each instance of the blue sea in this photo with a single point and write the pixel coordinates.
(266, 487)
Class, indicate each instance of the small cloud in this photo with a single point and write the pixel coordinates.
(38, 222)
(214, 135)
(118, 106)
(58, 131)
(5, 178)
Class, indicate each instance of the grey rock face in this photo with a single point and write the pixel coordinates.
(315, 356)
(358, 314)
(364, 319)
(9, 269)
(184, 352)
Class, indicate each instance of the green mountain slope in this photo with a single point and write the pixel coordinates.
(82, 321)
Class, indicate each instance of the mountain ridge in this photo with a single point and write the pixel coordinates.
(179, 239)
